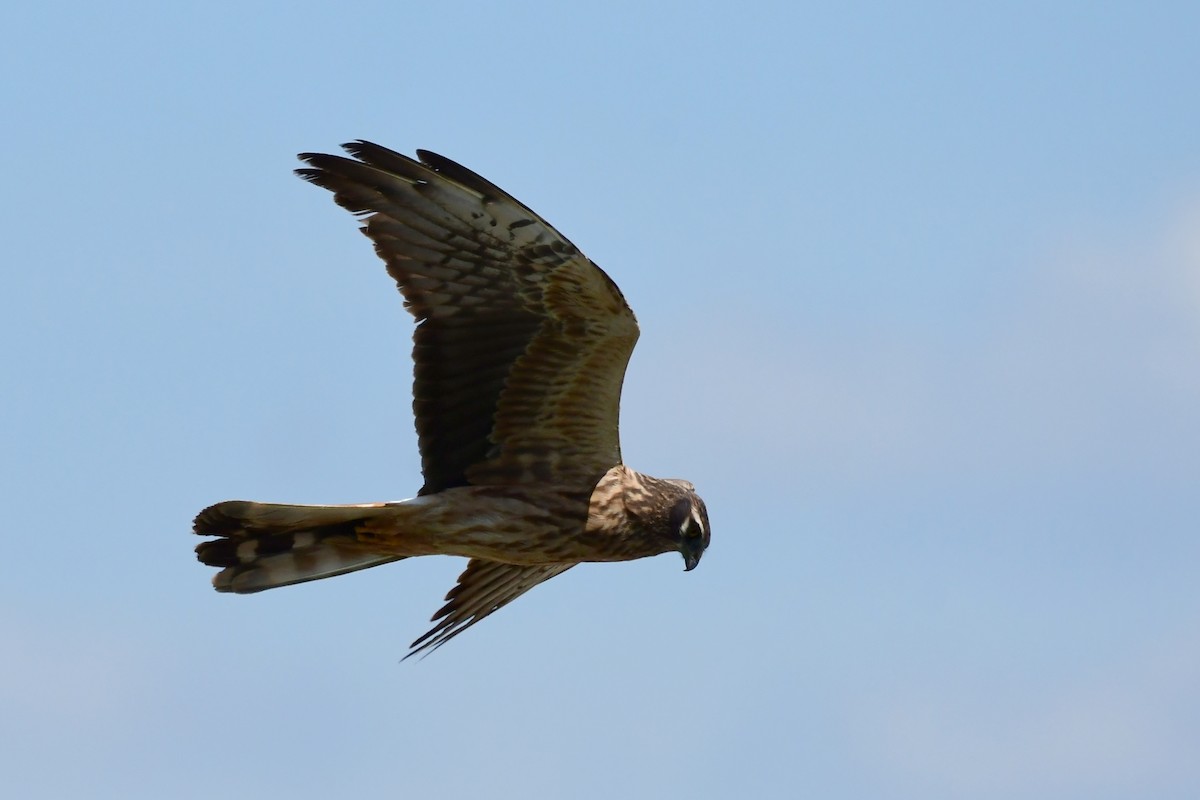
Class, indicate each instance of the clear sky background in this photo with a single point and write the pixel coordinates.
(920, 305)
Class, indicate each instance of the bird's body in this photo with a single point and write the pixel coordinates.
(520, 352)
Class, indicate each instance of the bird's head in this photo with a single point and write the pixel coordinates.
(688, 523)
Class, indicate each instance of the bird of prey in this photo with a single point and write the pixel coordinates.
(520, 349)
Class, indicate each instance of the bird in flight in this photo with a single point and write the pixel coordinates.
(520, 349)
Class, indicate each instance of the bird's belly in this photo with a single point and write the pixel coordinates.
(512, 525)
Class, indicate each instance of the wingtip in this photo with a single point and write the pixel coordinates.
(356, 147)
(429, 157)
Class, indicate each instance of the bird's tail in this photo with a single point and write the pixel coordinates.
(265, 545)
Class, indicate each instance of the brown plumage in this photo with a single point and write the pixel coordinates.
(520, 351)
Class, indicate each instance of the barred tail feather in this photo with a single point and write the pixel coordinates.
(266, 545)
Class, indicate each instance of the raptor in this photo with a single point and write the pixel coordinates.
(519, 351)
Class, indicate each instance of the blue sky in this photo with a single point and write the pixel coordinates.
(920, 305)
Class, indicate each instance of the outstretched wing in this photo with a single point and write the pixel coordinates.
(483, 587)
(521, 342)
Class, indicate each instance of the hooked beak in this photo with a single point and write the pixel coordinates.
(691, 557)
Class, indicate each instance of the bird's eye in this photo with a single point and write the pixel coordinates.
(692, 530)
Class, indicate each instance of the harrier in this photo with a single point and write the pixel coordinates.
(520, 350)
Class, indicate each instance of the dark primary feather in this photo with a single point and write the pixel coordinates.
(521, 343)
(483, 587)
